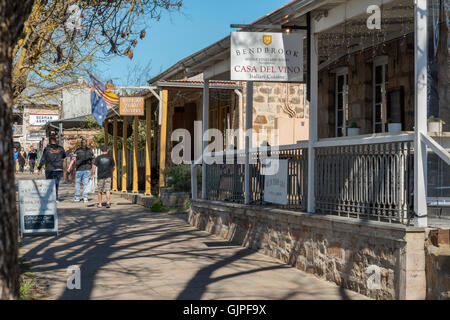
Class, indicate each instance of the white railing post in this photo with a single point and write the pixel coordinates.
(313, 105)
(248, 138)
(205, 128)
(194, 180)
(420, 149)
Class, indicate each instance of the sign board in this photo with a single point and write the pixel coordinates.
(265, 56)
(76, 102)
(132, 106)
(32, 138)
(37, 207)
(276, 186)
(42, 119)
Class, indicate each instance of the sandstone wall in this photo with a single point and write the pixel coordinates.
(438, 264)
(332, 248)
(360, 97)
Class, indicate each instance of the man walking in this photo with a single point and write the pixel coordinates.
(82, 158)
(105, 164)
(32, 157)
(52, 158)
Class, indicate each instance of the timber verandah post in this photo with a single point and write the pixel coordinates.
(148, 149)
(421, 82)
(124, 154)
(135, 155)
(313, 116)
(163, 141)
(116, 167)
(205, 129)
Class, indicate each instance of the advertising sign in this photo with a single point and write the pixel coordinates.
(264, 56)
(37, 207)
(276, 186)
(132, 106)
(42, 119)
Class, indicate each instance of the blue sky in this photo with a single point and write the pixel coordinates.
(178, 35)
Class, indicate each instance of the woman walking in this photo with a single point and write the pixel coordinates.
(22, 158)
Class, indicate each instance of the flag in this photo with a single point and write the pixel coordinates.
(108, 96)
(99, 108)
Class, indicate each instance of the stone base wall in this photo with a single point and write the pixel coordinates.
(332, 248)
(438, 264)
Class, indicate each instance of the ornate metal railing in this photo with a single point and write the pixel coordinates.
(372, 181)
(225, 182)
(297, 177)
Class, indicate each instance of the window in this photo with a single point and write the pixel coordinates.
(380, 82)
(341, 102)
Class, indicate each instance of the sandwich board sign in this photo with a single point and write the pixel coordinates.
(37, 207)
(276, 185)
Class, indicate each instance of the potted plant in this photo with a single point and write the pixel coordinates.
(435, 124)
(353, 130)
(394, 126)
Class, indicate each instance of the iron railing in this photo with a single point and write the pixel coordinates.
(225, 182)
(297, 177)
(372, 181)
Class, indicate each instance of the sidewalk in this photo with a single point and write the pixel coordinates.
(128, 252)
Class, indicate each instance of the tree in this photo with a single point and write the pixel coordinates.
(62, 39)
(44, 42)
(12, 17)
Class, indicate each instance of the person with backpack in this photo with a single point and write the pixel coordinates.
(53, 157)
(83, 159)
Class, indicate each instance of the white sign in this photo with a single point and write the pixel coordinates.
(42, 119)
(263, 56)
(276, 186)
(37, 207)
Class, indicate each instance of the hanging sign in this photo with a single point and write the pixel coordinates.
(38, 120)
(276, 185)
(37, 207)
(132, 106)
(263, 56)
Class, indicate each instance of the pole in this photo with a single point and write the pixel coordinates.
(420, 149)
(115, 188)
(135, 156)
(313, 116)
(205, 128)
(248, 138)
(124, 154)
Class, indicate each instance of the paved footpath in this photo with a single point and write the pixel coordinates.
(128, 252)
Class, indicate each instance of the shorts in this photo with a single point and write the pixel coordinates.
(104, 185)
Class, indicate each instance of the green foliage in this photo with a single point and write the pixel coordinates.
(27, 279)
(188, 204)
(157, 206)
(434, 119)
(178, 178)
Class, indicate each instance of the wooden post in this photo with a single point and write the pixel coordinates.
(205, 142)
(148, 149)
(115, 155)
(163, 143)
(105, 124)
(124, 154)
(135, 156)
(421, 125)
(313, 115)
(248, 140)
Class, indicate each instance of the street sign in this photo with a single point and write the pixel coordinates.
(276, 186)
(37, 207)
(38, 120)
(265, 56)
(132, 106)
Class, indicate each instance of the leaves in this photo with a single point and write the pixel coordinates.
(129, 53)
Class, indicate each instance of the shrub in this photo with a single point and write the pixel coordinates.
(178, 178)
(157, 206)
